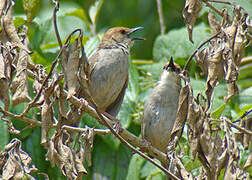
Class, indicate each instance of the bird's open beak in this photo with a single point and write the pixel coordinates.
(134, 30)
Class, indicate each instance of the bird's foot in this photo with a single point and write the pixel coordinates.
(146, 143)
(117, 126)
(83, 105)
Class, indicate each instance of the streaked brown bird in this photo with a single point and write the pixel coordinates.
(108, 72)
(160, 108)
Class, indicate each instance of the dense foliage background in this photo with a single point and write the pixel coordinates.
(110, 158)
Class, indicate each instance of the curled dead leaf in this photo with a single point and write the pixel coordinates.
(67, 158)
(4, 79)
(215, 26)
(190, 13)
(72, 69)
(20, 82)
(9, 27)
(16, 161)
(181, 115)
(88, 144)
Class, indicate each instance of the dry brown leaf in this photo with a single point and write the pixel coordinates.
(37, 84)
(4, 83)
(249, 160)
(190, 13)
(215, 26)
(201, 58)
(65, 56)
(247, 138)
(182, 170)
(2, 7)
(233, 170)
(47, 120)
(20, 82)
(9, 28)
(61, 101)
(194, 114)
(69, 161)
(181, 116)
(16, 161)
(88, 144)
(72, 69)
(235, 46)
(215, 72)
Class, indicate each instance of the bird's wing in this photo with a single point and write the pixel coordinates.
(114, 108)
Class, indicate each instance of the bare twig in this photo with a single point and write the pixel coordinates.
(161, 18)
(238, 127)
(31, 122)
(56, 8)
(84, 130)
(223, 2)
(200, 46)
(244, 115)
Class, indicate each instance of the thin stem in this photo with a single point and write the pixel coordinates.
(56, 8)
(161, 18)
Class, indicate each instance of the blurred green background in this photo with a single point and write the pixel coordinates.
(111, 159)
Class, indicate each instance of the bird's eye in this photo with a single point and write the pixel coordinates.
(123, 32)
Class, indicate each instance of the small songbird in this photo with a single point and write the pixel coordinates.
(108, 69)
(107, 73)
(160, 108)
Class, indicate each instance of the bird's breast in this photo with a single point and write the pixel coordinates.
(108, 76)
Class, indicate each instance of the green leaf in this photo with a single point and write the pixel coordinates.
(104, 160)
(150, 171)
(218, 112)
(31, 8)
(122, 161)
(131, 97)
(245, 97)
(94, 10)
(176, 43)
(69, 17)
(135, 165)
(18, 21)
(91, 45)
(4, 135)
(80, 13)
(133, 87)
(66, 24)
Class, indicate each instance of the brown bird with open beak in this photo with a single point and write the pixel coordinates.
(108, 72)
(160, 108)
(109, 69)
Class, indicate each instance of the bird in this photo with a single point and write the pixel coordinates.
(107, 74)
(160, 108)
(108, 69)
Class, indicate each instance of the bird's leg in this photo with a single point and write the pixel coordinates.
(146, 143)
(83, 105)
(117, 125)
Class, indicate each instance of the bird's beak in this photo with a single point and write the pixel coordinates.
(171, 66)
(134, 30)
(171, 63)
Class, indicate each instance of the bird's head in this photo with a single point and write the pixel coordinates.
(171, 71)
(172, 67)
(119, 35)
